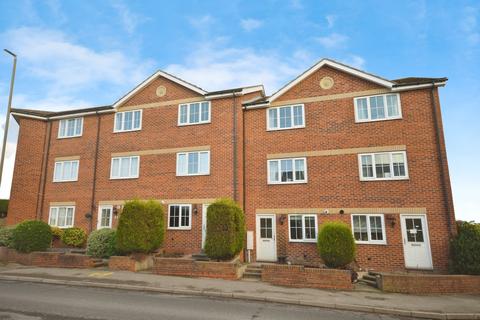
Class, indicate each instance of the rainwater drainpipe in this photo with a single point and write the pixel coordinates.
(94, 184)
(234, 133)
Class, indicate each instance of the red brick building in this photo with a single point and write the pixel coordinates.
(336, 143)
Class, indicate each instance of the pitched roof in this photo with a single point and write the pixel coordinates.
(416, 80)
(52, 114)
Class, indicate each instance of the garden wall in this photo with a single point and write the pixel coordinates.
(429, 284)
(231, 270)
(46, 259)
(301, 277)
(127, 263)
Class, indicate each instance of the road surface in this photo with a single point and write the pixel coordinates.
(32, 301)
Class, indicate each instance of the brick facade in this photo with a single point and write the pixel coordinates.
(333, 179)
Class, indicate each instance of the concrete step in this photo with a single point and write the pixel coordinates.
(97, 263)
(200, 257)
(370, 277)
(368, 282)
(373, 273)
(254, 269)
(251, 275)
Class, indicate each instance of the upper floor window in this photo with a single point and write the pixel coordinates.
(303, 227)
(383, 166)
(61, 216)
(69, 128)
(381, 107)
(125, 167)
(179, 216)
(65, 171)
(287, 117)
(193, 163)
(287, 171)
(368, 228)
(194, 113)
(128, 121)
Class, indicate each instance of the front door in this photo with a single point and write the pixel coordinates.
(104, 216)
(266, 238)
(204, 224)
(416, 244)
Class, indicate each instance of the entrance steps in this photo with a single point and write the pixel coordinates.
(371, 279)
(253, 272)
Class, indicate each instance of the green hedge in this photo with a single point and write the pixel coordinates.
(74, 237)
(57, 232)
(140, 227)
(3, 207)
(32, 235)
(6, 236)
(336, 245)
(465, 249)
(225, 230)
(102, 243)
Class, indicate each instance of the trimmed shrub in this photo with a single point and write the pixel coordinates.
(225, 230)
(465, 249)
(102, 243)
(140, 227)
(32, 235)
(57, 233)
(6, 236)
(336, 245)
(74, 237)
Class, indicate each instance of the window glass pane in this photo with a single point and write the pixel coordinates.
(116, 167)
(398, 160)
(286, 169)
(61, 217)
(297, 116)
(392, 105)
(286, 117)
(377, 108)
(272, 118)
(360, 231)
(69, 217)
(136, 124)
(133, 166)
(300, 169)
(367, 166)
(53, 217)
(382, 165)
(194, 112)
(174, 216)
(127, 121)
(193, 163)
(376, 232)
(185, 217)
(182, 164)
(205, 111)
(67, 167)
(74, 174)
(310, 228)
(118, 121)
(124, 167)
(204, 162)
(362, 109)
(273, 171)
(58, 171)
(183, 113)
(78, 128)
(70, 127)
(62, 128)
(296, 228)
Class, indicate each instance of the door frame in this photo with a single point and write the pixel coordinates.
(426, 235)
(204, 223)
(99, 215)
(274, 235)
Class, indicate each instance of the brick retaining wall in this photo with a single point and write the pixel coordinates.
(127, 263)
(301, 277)
(46, 259)
(430, 284)
(231, 270)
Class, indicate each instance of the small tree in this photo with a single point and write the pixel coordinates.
(102, 243)
(32, 235)
(225, 230)
(140, 227)
(336, 245)
(74, 237)
(6, 236)
(465, 249)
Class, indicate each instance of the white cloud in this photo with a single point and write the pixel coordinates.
(331, 20)
(201, 22)
(355, 61)
(333, 40)
(129, 20)
(469, 25)
(250, 24)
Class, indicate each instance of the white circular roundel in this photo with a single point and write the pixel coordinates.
(161, 91)
(326, 83)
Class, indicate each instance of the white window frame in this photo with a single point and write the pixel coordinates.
(62, 162)
(277, 109)
(279, 171)
(115, 130)
(127, 177)
(189, 227)
(99, 217)
(369, 111)
(66, 136)
(188, 123)
(374, 178)
(56, 219)
(370, 241)
(303, 215)
(179, 174)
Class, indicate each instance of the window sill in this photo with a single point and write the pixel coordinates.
(193, 175)
(62, 138)
(63, 181)
(283, 129)
(385, 179)
(126, 178)
(371, 243)
(302, 241)
(377, 120)
(193, 124)
(282, 183)
(123, 131)
(180, 228)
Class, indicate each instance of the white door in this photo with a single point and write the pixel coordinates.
(204, 224)
(416, 245)
(266, 238)
(104, 216)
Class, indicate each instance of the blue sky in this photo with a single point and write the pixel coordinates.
(87, 53)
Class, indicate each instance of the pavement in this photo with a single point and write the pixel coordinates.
(361, 300)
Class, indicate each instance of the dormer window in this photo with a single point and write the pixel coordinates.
(194, 113)
(69, 128)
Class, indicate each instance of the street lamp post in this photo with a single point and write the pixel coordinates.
(9, 107)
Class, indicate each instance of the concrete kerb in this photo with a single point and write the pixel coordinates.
(243, 296)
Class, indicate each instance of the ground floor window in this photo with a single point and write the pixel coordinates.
(61, 216)
(368, 228)
(105, 217)
(179, 216)
(302, 227)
